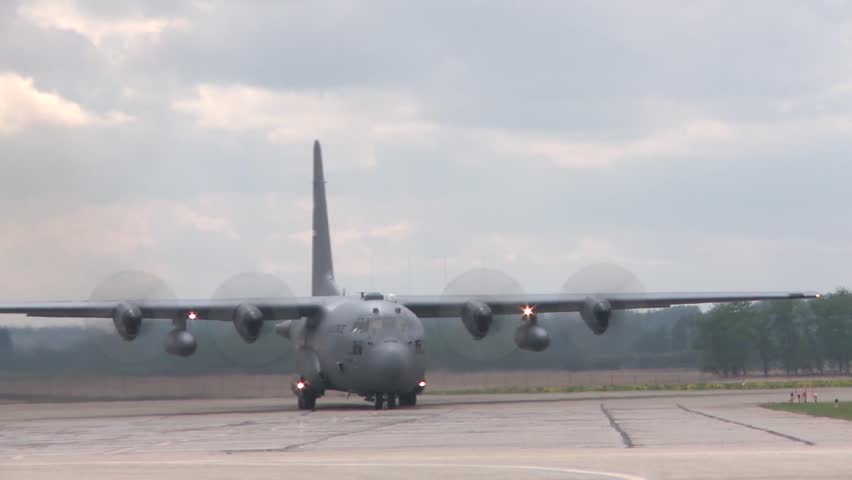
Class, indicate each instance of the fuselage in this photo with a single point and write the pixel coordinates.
(363, 346)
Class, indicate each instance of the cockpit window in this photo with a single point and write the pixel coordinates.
(374, 324)
(394, 323)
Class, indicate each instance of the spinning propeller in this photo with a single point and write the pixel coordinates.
(131, 285)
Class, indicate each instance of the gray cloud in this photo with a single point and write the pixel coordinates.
(702, 146)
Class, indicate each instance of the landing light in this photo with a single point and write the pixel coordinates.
(527, 311)
(422, 383)
(300, 385)
(192, 315)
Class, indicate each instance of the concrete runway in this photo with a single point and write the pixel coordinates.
(575, 436)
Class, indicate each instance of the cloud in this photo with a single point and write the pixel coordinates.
(691, 140)
(512, 248)
(114, 230)
(22, 105)
(100, 30)
(550, 138)
(358, 118)
(346, 235)
(393, 231)
(362, 119)
(684, 139)
(207, 223)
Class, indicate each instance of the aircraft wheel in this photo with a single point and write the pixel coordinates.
(309, 400)
(378, 402)
(408, 399)
(391, 401)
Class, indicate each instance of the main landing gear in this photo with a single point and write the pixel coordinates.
(379, 400)
(408, 399)
(392, 400)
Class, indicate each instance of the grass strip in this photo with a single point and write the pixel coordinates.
(747, 385)
(843, 410)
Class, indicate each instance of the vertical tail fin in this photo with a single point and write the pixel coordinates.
(323, 269)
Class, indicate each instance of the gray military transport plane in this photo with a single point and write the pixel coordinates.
(370, 345)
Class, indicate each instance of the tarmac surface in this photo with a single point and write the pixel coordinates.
(629, 435)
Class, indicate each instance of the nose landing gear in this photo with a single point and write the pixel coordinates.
(307, 400)
(306, 396)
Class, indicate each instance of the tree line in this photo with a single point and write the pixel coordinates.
(794, 336)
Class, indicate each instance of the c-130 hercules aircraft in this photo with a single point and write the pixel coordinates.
(370, 345)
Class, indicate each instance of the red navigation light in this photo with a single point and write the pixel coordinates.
(192, 315)
(300, 385)
(422, 383)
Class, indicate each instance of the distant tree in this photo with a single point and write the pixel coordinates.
(684, 330)
(833, 328)
(763, 338)
(724, 337)
(5, 343)
(791, 335)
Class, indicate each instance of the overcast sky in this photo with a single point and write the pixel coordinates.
(702, 146)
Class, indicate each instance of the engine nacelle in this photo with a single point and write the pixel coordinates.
(128, 321)
(248, 320)
(596, 313)
(180, 343)
(477, 318)
(283, 328)
(532, 337)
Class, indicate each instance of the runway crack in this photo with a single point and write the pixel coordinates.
(746, 425)
(625, 437)
(210, 427)
(297, 446)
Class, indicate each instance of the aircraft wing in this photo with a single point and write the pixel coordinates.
(423, 306)
(272, 309)
(451, 305)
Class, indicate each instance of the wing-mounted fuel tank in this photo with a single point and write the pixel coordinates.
(181, 343)
(532, 337)
(477, 318)
(596, 313)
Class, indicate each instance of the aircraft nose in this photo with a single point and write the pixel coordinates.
(390, 360)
